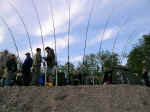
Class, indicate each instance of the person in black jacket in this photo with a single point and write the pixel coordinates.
(146, 78)
(26, 69)
(51, 62)
(11, 69)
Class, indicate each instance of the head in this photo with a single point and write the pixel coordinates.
(12, 57)
(144, 70)
(27, 55)
(6, 52)
(38, 50)
(47, 49)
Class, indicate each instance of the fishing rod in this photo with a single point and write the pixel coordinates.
(42, 37)
(54, 33)
(105, 27)
(116, 37)
(12, 36)
(69, 10)
(87, 29)
(39, 22)
(25, 26)
(118, 33)
(53, 22)
(126, 44)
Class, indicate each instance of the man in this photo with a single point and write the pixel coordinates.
(11, 69)
(26, 69)
(3, 60)
(37, 60)
(3, 71)
(51, 62)
(146, 78)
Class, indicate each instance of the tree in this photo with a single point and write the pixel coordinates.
(90, 61)
(139, 56)
(107, 59)
(64, 68)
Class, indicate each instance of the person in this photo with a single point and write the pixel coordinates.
(3, 60)
(145, 76)
(11, 69)
(51, 62)
(107, 78)
(26, 69)
(37, 60)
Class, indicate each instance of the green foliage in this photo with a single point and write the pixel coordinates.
(139, 57)
(64, 68)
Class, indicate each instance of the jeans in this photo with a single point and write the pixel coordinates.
(10, 78)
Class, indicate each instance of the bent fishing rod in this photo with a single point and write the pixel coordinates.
(12, 36)
(25, 26)
(53, 22)
(54, 34)
(106, 26)
(39, 22)
(124, 49)
(87, 29)
(116, 37)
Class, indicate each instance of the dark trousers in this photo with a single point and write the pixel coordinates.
(27, 77)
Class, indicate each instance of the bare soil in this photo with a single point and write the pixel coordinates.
(109, 98)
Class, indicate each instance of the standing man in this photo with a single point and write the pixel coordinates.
(11, 69)
(3, 61)
(146, 78)
(26, 69)
(37, 60)
(51, 62)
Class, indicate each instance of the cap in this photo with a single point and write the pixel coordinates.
(27, 53)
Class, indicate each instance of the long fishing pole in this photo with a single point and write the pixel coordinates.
(25, 26)
(116, 37)
(42, 37)
(12, 36)
(54, 33)
(123, 52)
(87, 29)
(39, 22)
(69, 10)
(118, 33)
(125, 47)
(105, 27)
(53, 22)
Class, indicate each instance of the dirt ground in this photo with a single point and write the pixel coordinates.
(108, 98)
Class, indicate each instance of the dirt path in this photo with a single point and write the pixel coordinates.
(122, 98)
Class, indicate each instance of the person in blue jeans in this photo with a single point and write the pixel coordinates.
(11, 69)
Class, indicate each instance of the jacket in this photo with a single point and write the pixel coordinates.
(37, 60)
(27, 64)
(12, 65)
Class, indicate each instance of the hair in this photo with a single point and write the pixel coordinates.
(38, 49)
(48, 48)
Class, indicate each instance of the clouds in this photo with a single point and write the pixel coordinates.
(61, 17)
(102, 36)
(80, 10)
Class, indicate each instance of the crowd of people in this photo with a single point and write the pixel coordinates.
(30, 71)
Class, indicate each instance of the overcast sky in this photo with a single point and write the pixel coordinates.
(128, 17)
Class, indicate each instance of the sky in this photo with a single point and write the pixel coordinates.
(108, 19)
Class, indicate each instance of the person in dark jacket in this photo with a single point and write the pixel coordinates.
(26, 69)
(146, 78)
(12, 69)
(51, 61)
